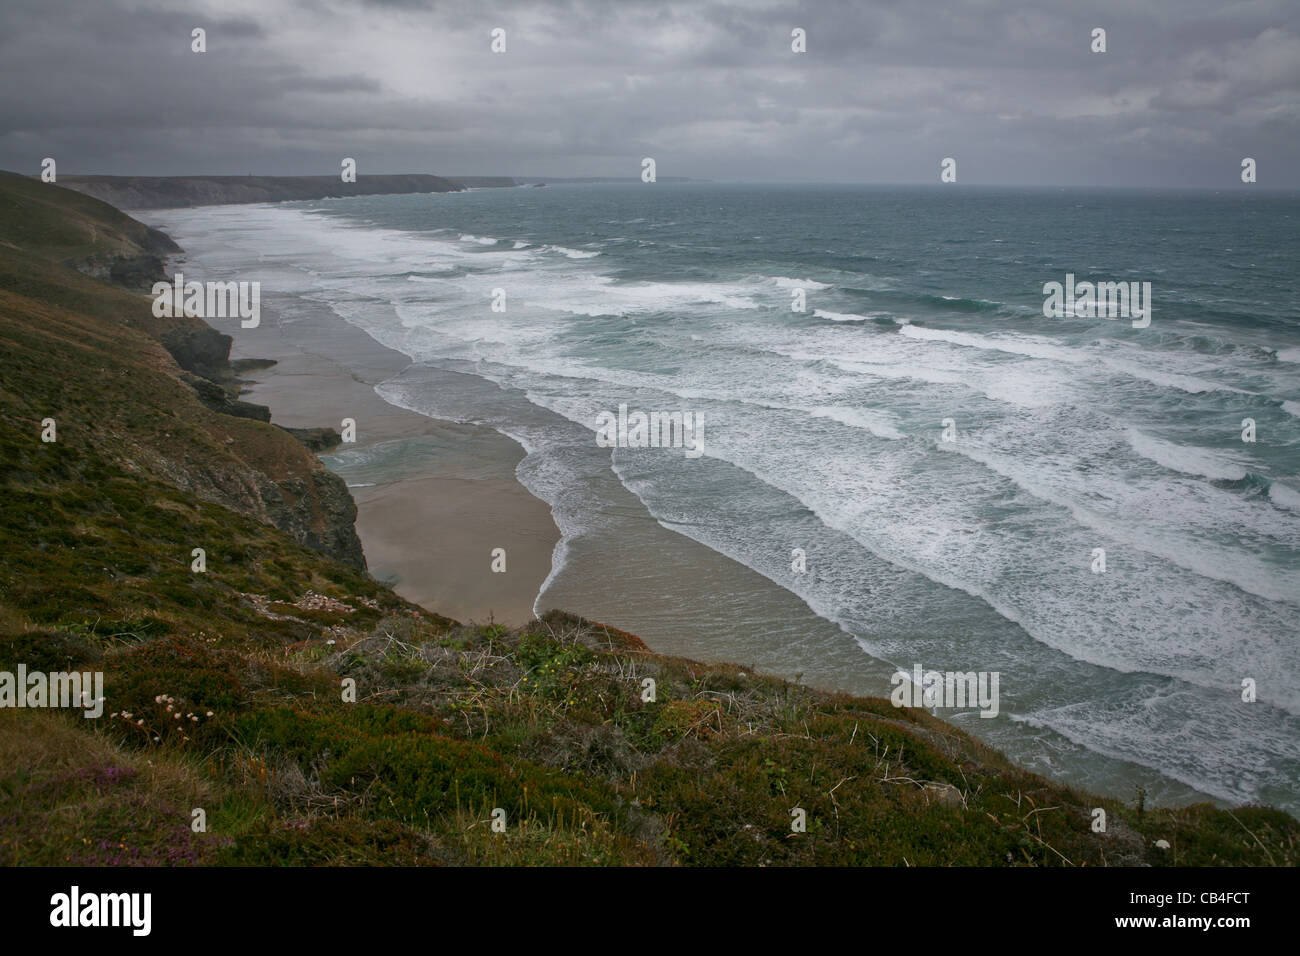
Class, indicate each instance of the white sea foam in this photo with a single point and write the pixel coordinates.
(785, 282)
(1174, 521)
(600, 295)
(1185, 458)
(1221, 754)
(1031, 347)
(877, 423)
(1191, 384)
(1144, 367)
(573, 253)
(1284, 495)
(840, 316)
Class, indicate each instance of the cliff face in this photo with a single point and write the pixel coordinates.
(276, 485)
(165, 192)
(156, 396)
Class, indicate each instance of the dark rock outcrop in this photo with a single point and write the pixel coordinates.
(336, 536)
(200, 349)
(316, 439)
(218, 398)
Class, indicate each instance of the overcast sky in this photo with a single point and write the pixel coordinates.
(885, 91)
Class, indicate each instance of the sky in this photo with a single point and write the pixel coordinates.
(883, 94)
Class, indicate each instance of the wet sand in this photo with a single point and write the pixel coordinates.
(434, 498)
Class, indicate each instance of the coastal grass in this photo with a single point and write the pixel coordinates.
(61, 225)
(545, 729)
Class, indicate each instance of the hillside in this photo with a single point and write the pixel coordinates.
(549, 723)
(163, 192)
(80, 232)
(94, 358)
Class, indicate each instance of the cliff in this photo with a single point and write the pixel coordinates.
(93, 357)
(164, 192)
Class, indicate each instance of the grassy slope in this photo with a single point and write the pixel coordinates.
(545, 722)
(60, 224)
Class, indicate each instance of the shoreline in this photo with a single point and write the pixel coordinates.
(461, 498)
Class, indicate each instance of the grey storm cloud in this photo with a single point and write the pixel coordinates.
(1185, 90)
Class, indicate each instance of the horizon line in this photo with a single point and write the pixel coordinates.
(690, 180)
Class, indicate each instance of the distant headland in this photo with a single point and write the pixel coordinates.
(165, 192)
(169, 192)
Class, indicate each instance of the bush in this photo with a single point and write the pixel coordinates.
(411, 772)
(322, 842)
(49, 651)
(176, 667)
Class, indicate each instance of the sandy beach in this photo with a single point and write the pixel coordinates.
(434, 498)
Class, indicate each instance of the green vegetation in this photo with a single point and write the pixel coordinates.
(63, 225)
(226, 689)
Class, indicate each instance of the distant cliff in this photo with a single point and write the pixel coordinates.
(165, 192)
(485, 182)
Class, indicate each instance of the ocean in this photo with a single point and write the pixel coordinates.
(947, 459)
